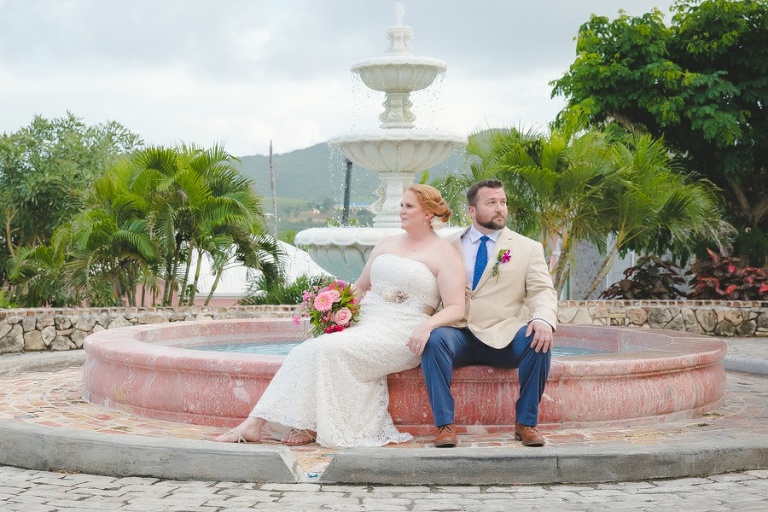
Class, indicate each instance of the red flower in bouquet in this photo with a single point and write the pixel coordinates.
(330, 307)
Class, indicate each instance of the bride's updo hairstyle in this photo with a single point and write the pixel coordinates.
(432, 201)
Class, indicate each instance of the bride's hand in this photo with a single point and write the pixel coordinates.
(418, 339)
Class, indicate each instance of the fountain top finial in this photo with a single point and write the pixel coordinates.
(400, 34)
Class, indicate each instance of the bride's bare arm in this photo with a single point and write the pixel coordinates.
(451, 283)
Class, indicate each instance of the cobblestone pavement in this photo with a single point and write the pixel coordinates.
(40, 491)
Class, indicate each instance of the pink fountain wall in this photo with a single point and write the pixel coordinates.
(649, 376)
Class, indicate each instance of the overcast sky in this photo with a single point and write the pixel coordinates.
(244, 72)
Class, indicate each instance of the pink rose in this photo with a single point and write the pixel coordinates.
(324, 301)
(343, 316)
(335, 295)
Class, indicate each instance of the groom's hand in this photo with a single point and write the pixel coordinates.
(542, 336)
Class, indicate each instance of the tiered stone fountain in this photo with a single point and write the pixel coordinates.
(397, 151)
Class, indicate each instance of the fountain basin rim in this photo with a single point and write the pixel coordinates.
(397, 135)
(399, 60)
(347, 236)
(139, 345)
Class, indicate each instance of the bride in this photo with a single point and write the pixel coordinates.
(333, 388)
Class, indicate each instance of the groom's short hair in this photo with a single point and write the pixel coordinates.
(472, 192)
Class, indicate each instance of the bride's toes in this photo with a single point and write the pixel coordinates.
(299, 436)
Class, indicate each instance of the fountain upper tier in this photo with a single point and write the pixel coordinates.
(400, 73)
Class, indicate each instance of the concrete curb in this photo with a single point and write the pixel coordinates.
(15, 364)
(494, 466)
(742, 364)
(56, 449)
(43, 448)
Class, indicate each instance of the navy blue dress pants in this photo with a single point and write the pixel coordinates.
(449, 348)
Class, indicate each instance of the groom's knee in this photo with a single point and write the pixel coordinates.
(439, 339)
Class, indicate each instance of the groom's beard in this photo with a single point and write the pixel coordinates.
(494, 223)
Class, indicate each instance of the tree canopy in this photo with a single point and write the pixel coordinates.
(700, 82)
(45, 168)
(615, 190)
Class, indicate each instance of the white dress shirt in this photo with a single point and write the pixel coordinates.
(469, 244)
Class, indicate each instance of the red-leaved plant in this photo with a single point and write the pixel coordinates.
(727, 279)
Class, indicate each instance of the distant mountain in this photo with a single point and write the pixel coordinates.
(318, 172)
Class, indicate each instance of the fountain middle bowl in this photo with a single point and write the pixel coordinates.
(398, 73)
(400, 150)
(648, 376)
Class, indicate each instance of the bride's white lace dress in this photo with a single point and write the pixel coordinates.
(336, 384)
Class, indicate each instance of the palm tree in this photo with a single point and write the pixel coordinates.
(453, 187)
(110, 239)
(654, 207)
(573, 184)
(553, 183)
(36, 274)
(200, 206)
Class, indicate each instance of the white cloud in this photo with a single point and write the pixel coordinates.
(244, 72)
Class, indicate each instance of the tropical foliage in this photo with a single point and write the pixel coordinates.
(615, 190)
(281, 291)
(700, 83)
(652, 278)
(145, 227)
(720, 278)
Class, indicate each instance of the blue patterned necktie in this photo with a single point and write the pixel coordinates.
(481, 260)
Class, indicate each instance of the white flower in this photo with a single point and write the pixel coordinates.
(397, 296)
(436, 223)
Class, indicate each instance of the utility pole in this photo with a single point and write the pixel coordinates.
(347, 183)
(274, 191)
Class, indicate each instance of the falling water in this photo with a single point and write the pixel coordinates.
(399, 13)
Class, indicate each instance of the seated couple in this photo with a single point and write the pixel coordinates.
(333, 388)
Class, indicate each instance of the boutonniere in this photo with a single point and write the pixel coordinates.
(503, 257)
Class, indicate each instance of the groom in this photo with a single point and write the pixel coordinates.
(504, 270)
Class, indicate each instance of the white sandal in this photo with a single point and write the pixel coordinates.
(240, 438)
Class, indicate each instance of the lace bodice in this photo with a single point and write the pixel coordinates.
(398, 280)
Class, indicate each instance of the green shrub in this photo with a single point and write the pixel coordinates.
(280, 292)
(652, 278)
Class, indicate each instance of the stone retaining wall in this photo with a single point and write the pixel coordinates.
(715, 318)
(54, 329)
(42, 329)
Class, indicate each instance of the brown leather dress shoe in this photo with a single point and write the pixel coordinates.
(528, 435)
(446, 437)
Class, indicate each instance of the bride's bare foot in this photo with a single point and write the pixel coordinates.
(299, 436)
(248, 431)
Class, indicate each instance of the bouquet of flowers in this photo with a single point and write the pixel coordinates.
(330, 307)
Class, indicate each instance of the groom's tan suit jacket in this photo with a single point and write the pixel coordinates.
(494, 310)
